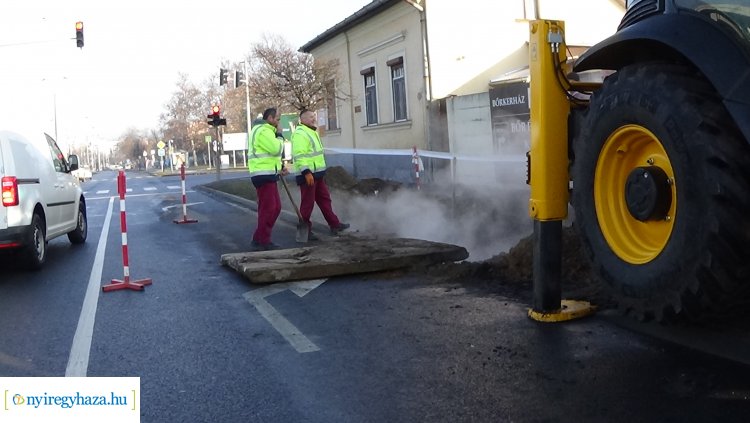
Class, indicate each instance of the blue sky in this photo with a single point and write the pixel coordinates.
(133, 53)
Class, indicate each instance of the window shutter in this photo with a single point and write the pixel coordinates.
(397, 61)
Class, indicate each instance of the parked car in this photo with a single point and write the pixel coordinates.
(83, 174)
(41, 198)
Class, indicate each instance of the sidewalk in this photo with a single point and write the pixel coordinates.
(199, 170)
(288, 214)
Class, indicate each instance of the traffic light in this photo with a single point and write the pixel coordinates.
(222, 76)
(214, 119)
(79, 34)
(238, 78)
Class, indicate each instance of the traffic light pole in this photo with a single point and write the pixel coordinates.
(248, 114)
(219, 151)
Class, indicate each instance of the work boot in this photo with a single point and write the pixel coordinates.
(256, 246)
(340, 228)
(312, 237)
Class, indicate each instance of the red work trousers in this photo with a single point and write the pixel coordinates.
(317, 194)
(269, 208)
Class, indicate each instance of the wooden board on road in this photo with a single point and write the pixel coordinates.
(340, 256)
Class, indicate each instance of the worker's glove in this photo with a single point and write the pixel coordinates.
(309, 179)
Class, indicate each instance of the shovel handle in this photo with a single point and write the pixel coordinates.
(289, 193)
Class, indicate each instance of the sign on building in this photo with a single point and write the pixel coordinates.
(509, 112)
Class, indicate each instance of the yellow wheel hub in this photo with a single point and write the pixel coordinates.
(628, 148)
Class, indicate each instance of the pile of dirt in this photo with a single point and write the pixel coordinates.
(509, 273)
(338, 178)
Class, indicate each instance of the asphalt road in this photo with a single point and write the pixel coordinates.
(398, 346)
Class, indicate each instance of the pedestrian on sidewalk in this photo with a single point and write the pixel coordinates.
(310, 170)
(264, 163)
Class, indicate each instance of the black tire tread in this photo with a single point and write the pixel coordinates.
(716, 283)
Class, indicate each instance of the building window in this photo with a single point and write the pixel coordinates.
(371, 99)
(398, 80)
(333, 122)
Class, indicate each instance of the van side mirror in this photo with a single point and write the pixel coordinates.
(73, 162)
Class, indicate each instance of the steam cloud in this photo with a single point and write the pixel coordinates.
(486, 220)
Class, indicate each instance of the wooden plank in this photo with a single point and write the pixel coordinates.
(340, 256)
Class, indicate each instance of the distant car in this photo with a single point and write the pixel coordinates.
(41, 198)
(83, 174)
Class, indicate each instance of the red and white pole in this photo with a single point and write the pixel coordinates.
(125, 283)
(415, 162)
(184, 199)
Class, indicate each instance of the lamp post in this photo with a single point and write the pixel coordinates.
(54, 107)
(247, 104)
(171, 155)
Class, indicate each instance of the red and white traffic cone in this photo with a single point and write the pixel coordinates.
(184, 199)
(125, 283)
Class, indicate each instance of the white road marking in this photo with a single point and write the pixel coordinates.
(237, 206)
(134, 195)
(179, 205)
(174, 187)
(103, 191)
(290, 332)
(149, 189)
(78, 361)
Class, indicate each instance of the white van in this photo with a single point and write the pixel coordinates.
(41, 199)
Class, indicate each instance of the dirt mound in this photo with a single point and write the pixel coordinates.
(506, 273)
(337, 177)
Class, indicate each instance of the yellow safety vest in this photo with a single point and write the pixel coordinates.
(264, 151)
(307, 150)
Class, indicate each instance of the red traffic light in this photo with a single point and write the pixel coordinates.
(79, 34)
(215, 110)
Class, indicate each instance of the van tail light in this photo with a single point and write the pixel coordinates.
(10, 191)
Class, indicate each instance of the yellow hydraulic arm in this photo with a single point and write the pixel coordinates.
(548, 170)
(549, 123)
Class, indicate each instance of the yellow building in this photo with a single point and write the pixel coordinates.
(418, 73)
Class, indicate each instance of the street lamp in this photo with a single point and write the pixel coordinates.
(171, 154)
(54, 107)
(247, 102)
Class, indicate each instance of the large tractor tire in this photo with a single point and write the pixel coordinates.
(662, 194)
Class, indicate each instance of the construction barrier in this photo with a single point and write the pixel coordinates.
(125, 283)
(464, 168)
(415, 161)
(184, 199)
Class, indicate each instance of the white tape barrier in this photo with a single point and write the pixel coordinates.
(504, 158)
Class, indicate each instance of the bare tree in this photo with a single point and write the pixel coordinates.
(282, 76)
(185, 117)
(130, 146)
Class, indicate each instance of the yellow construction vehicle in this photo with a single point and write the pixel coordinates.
(654, 159)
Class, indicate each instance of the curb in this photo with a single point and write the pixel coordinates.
(287, 216)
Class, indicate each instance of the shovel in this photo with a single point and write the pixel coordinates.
(302, 228)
